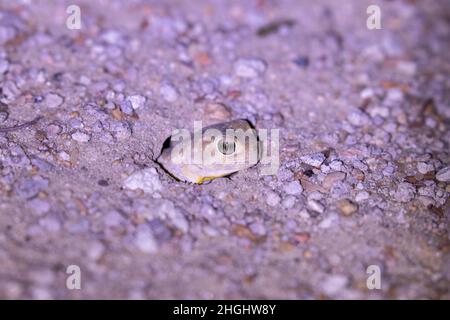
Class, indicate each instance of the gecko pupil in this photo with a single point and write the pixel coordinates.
(226, 148)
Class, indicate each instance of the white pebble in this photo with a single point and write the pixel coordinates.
(333, 284)
(315, 159)
(424, 167)
(272, 199)
(168, 92)
(81, 136)
(405, 192)
(293, 188)
(53, 100)
(136, 101)
(361, 196)
(147, 180)
(249, 68)
(443, 174)
(145, 241)
(315, 206)
(288, 202)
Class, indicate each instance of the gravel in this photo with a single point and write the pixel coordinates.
(146, 180)
(443, 174)
(249, 68)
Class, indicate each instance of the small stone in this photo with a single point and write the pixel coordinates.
(332, 178)
(315, 206)
(51, 224)
(249, 68)
(168, 92)
(147, 180)
(333, 284)
(379, 111)
(426, 201)
(121, 130)
(288, 202)
(336, 165)
(443, 175)
(315, 159)
(328, 221)
(53, 130)
(405, 192)
(137, 101)
(272, 199)
(217, 111)
(347, 208)
(424, 167)
(81, 137)
(358, 118)
(258, 228)
(95, 250)
(126, 107)
(394, 95)
(30, 187)
(38, 206)
(144, 240)
(63, 156)
(53, 100)
(361, 196)
(4, 66)
(293, 188)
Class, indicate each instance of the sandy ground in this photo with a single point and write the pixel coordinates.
(364, 149)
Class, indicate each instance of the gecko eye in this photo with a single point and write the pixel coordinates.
(226, 147)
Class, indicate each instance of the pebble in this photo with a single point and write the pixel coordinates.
(336, 165)
(147, 180)
(288, 202)
(315, 206)
(272, 199)
(81, 137)
(249, 68)
(121, 130)
(30, 187)
(328, 221)
(95, 250)
(53, 100)
(258, 228)
(217, 111)
(358, 118)
(50, 224)
(405, 192)
(315, 159)
(424, 167)
(38, 206)
(361, 196)
(426, 201)
(293, 188)
(332, 178)
(168, 92)
(443, 175)
(347, 208)
(63, 156)
(126, 107)
(4, 66)
(333, 284)
(137, 101)
(144, 240)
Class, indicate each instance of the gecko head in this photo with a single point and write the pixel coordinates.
(215, 151)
